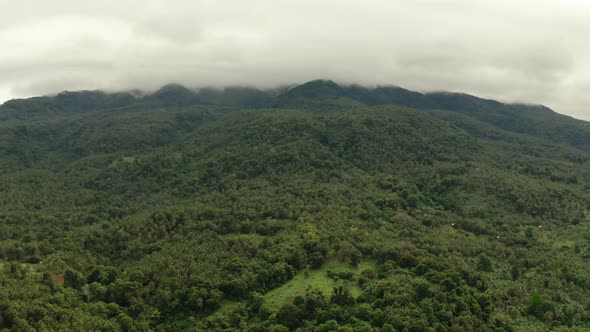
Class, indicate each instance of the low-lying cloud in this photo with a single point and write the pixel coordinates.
(526, 51)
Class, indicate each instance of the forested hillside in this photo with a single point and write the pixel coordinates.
(314, 208)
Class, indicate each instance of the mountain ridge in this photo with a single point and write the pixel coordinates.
(536, 120)
(319, 88)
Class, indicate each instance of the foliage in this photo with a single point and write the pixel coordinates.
(320, 208)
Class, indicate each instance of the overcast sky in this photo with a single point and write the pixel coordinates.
(518, 50)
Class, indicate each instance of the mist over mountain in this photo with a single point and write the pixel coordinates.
(536, 120)
(504, 50)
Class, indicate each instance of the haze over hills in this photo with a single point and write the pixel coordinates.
(319, 207)
(536, 120)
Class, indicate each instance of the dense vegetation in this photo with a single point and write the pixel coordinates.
(316, 208)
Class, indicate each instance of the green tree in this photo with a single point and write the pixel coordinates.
(290, 316)
(484, 263)
(74, 279)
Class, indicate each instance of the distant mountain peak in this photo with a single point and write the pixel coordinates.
(172, 88)
(316, 88)
(322, 81)
(174, 94)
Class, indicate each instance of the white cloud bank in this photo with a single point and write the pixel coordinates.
(526, 51)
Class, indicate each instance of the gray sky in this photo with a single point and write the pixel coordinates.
(518, 50)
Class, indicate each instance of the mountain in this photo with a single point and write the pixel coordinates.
(534, 120)
(320, 207)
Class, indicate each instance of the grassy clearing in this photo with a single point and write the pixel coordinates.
(317, 279)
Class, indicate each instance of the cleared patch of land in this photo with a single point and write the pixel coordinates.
(320, 280)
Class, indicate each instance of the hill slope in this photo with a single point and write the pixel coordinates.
(318, 208)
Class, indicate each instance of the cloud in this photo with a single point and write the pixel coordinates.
(527, 51)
